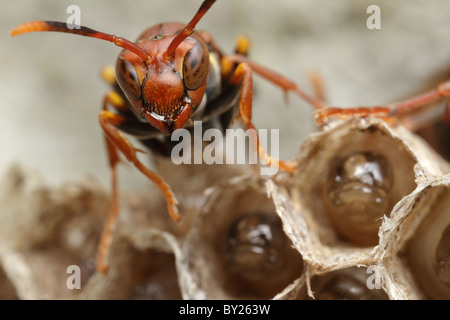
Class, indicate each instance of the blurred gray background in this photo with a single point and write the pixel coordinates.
(51, 91)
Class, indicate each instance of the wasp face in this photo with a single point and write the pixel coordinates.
(165, 92)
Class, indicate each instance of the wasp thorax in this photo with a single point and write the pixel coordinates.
(358, 192)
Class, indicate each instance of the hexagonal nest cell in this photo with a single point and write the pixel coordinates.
(364, 216)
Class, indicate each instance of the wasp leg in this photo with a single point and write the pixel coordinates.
(415, 104)
(117, 142)
(228, 66)
(108, 121)
(277, 79)
(111, 98)
(242, 45)
(109, 75)
(317, 83)
(390, 114)
(422, 104)
(444, 90)
(383, 113)
(243, 76)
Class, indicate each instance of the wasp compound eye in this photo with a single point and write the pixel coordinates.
(128, 78)
(196, 66)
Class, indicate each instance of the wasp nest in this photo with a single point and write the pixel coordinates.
(365, 215)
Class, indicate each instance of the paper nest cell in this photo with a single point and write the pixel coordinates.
(365, 215)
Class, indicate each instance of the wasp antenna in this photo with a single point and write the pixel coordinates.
(188, 30)
(38, 26)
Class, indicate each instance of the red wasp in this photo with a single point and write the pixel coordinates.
(169, 77)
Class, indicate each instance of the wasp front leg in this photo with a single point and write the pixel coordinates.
(242, 76)
(115, 142)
